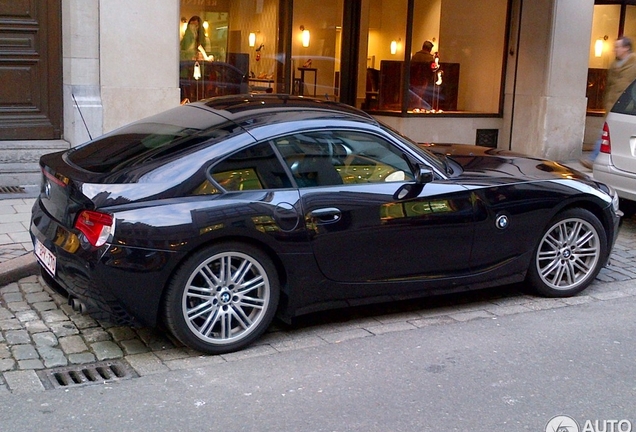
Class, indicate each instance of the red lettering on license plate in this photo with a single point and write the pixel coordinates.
(45, 256)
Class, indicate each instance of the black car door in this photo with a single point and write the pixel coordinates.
(358, 229)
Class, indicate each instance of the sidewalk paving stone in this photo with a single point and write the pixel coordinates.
(95, 334)
(81, 358)
(146, 364)
(45, 339)
(63, 328)
(15, 337)
(107, 350)
(53, 357)
(24, 352)
(7, 364)
(38, 326)
(72, 344)
(27, 315)
(30, 364)
(23, 381)
(10, 324)
(133, 346)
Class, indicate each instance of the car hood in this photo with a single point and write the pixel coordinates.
(483, 162)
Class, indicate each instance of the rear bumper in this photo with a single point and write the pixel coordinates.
(624, 182)
(118, 284)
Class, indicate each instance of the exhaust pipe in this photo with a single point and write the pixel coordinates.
(77, 305)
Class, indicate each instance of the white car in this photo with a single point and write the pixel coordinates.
(616, 163)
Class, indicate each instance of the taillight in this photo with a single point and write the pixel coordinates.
(606, 143)
(95, 226)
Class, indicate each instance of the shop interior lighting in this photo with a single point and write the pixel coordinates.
(598, 46)
(393, 47)
(305, 36)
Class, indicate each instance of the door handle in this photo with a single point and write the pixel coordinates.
(326, 215)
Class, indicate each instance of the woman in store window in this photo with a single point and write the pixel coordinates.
(193, 38)
(195, 46)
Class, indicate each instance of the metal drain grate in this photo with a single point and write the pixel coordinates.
(86, 374)
(11, 189)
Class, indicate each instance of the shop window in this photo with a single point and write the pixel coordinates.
(231, 47)
(459, 66)
(227, 47)
(611, 20)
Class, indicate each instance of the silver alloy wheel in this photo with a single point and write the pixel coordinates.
(226, 297)
(568, 254)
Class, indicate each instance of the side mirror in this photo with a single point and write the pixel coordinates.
(411, 190)
(423, 175)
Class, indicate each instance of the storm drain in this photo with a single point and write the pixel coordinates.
(12, 190)
(86, 374)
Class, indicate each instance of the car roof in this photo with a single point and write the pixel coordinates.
(208, 122)
(239, 107)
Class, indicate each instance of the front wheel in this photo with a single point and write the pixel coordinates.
(222, 298)
(569, 255)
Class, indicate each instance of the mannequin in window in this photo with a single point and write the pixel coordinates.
(422, 77)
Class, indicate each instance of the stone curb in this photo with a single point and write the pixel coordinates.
(18, 268)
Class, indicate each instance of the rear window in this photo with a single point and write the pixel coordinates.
(152, 139)
(626, 104)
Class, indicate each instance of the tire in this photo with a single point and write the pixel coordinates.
(569, 255)
(215, 311)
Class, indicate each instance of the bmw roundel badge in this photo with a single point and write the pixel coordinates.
(502, 222)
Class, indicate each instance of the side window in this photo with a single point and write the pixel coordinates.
(255, 167)
(329, 158)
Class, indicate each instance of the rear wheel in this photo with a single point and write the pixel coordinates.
(569, 255)
(222, 298)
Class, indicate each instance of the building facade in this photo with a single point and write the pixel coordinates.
(510, 74)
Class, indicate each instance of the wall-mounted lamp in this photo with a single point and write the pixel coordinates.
(304, 36)
(598, 46)
(251, 39)
(394, 46)
(206, 25)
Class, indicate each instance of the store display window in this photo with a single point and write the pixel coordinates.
(611, 20)
(406, 57)
(447, 56)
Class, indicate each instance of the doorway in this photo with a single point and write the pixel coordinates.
(30, 70)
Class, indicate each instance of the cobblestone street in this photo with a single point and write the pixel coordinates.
(39, 331)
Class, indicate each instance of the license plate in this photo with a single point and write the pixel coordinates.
(46, 257)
